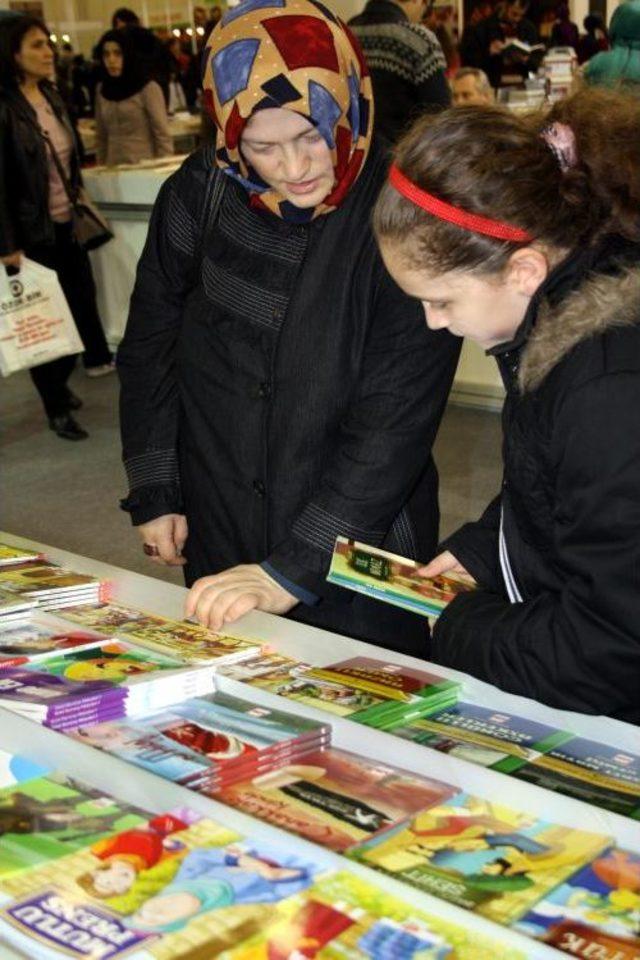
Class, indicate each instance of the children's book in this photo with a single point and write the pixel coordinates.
(10, 555)
(483, 856)
(490, 738)
(44, 582)
(259, 668)
(598, 774)
(336, 798)
(15, 768)
(342, 917)
(187, 642)
(393, 579)
(40, 636)
(194, 894)
(46, 818)
(595, 913)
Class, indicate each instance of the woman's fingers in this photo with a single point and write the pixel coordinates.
(223, 598)
(443, 563)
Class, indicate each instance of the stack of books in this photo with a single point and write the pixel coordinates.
(336, 798)
(101, 683)
(39, 637)
(51, 586)
(14, 608)
(212, 742)
(10, 554)
(372, 692)
(184, 641)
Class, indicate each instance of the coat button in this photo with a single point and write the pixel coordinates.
(264, 390)
(259, 488)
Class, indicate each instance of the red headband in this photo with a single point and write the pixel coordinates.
(446, 211)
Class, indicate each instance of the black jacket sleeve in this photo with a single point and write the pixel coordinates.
(8, 240)
(149, 400)
(577, 647)
(384, 443)
(435, 91)
(475, 546)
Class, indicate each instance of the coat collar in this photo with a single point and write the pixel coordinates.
(590, 291)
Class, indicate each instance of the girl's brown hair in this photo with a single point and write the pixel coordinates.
(488, 161)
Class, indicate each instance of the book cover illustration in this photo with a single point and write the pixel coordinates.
(335, 798)
(51, 816)
(595, 913)
(490, 738)
(15, 768)
(40, 636)
(133, 896)
(594, 772)
(185, 641)
(256, 668)
(393, 579)
(10, 555)
(342, 917)
(41, 578)
(483, 856)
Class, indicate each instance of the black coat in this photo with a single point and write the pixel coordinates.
(279, 389)
(570, 502)
(476, 42)
(407, 66)
(24, 175)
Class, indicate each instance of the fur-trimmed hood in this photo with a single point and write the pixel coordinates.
(601, 303)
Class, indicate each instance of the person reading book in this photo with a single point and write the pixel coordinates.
(523, 235)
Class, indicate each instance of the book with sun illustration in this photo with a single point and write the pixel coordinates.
(393, 579)
(480, 855)
(98, 684)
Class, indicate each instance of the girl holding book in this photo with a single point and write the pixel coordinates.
(523, 235)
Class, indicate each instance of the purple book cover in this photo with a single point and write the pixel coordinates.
(40, 689)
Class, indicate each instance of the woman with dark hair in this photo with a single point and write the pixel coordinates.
(35, 210)
(277, 388)
(542, 269)
(130, 110)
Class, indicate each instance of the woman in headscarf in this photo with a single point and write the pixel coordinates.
(130, 110)
(276, 383)
(619, 66)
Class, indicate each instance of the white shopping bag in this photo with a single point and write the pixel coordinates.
(36, 324)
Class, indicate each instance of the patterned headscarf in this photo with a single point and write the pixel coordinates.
(297, 55)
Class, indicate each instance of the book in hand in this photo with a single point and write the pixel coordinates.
(98, 684)
(480, 855)
(335, 798)
(185, 894)
(513, 46)
(209, 742)
(48, 817)
(40, 636)
(594, 913)
(184, 641)
(342, 916)
(393, 579)
(599, 774)
(50, 585)
(10, 555)
(490, 738)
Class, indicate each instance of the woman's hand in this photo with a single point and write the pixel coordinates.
(225, 597)
(13, 259)
(168, 535)
(443, 563)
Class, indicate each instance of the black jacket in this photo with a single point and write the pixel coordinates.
(570, 502)
(476, 42)
(24, 174)
(406, 63)
(278, 387)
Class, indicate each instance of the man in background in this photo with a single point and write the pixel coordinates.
(487, 46)
(406, 63)
(470, 87)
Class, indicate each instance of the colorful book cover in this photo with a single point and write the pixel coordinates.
(48, 817)
(595, 913)
(254, 669)
(490, 738)
(336, 798)
(15, 768)
(10, 555)
(480, 855)
(40, 636)
(22, 688)
(598, 774)
(185, 641)
(393, 579)
(201, 893)
(342, 917)
(41, 578)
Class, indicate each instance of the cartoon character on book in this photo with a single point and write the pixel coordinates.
(112, 668)
(126, 855)
(212, 878)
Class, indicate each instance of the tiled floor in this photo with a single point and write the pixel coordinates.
(66, 494)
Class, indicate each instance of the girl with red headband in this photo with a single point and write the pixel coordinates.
(273, 375)
(525, 238)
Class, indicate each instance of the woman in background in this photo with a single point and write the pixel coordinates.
(35, 210)
(619, 66)
(130, 110)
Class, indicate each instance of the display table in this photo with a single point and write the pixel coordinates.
(137, 786)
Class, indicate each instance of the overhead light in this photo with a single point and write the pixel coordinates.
(176, 32)
(189, 32)
(200, 31)
(53, 38)
(66, 38)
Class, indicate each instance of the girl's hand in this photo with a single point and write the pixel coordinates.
(167, 535)
(225, 597)
(443, 563)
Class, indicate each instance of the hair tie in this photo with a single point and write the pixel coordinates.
(461, 218)
(561, 140)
